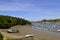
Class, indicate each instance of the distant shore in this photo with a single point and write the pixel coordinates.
(37, 34)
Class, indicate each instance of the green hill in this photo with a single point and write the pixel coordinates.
(8, 21)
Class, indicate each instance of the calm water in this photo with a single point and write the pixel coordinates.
(49, 27)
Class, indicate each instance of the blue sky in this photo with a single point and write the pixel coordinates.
(32, 10)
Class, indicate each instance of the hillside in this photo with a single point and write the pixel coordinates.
(51, 20)
(8, 21)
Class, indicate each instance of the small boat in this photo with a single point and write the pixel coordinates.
(29, 35)
(12, 31)
(53, 26)
(58, 30)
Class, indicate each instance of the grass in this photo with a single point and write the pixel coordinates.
(6, 38)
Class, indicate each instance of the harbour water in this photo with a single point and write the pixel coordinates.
(47, 27)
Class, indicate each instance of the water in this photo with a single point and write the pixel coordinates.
(48, 27)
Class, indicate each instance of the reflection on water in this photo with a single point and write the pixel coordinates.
(53, 27)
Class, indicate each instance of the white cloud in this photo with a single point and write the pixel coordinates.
(16, 6)
(28, 7)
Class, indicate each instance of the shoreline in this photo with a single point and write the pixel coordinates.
(38, 35)
(50, 32)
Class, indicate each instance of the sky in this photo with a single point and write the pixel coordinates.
(32, 10)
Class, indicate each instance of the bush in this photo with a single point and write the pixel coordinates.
(1, 36)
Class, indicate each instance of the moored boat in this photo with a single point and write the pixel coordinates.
(58, 30)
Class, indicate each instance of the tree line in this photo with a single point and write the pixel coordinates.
(51, 20)
(8, 21)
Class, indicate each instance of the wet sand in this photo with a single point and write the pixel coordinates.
(38, 35)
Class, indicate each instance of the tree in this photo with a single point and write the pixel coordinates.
(8, 21)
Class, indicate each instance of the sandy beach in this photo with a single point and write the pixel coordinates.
(38, 35)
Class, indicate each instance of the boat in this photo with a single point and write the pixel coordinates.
(12, 31)
(29, 35)
(58, 30)
(53, 26)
